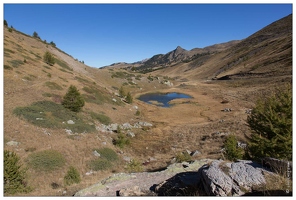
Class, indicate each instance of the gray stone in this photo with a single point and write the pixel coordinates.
(131, 134)
(195, 153)
(12, 143)
(95, 153)
(70, 122)
(134, 191)
(231, 179)
(126, 126)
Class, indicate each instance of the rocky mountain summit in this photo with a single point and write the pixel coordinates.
(199, 178)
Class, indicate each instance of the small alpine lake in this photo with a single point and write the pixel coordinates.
(162, 99)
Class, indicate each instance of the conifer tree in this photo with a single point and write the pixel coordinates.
(271, 125)
(48, 58)
(73, 99)
(122, 92)
(129, 98)
(14, 175)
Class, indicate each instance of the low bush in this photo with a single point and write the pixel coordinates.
(134, 166)
(72, 176)
(48, 114)
(47, 160)
(101, 117)
(16, 63)
(53, 85)
(183, 157)
(108, 154)
(121, 140)
(100, 164)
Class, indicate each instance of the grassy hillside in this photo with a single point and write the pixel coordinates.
(42, 128)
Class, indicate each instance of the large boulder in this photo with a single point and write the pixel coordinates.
(231, 179)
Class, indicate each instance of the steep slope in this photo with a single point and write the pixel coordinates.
(266, 53)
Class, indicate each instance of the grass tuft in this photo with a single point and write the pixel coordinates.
(47, 160)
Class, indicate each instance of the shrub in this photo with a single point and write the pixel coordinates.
(121, 141)
(14, 175)
(183, 157)
(73, 100)
(232, 151)
(138, 113)
(271, 125)
(52, 115)
(47, 160)
(53, 85)
(134, 166)
(101, 117)
(48, 58)
(108, 154)
(100, 164)
(72, 176)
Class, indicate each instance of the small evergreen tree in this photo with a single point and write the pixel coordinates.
(35, 35)
(5, 23)
(72, 176)
(73, 99)
(129, 98)
(232, 151)
(271, 126)
(48, 58)
(14, 175)
(52, 44)
(122, 92)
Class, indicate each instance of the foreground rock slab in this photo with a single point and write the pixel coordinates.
(134, 184)
(199, 178)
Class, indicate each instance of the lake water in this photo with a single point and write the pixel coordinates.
(162, 99)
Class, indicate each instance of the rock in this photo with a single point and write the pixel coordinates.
(231, 179)
(70, 122)
(68, 131)
(227, 110)
(195, 153)
(126, 158)
(134, 191)
(112, 127)
(126, 126)
(131, 134)
(12, 143)
(114, 100)
(95, 153)
(201, 177)
(136, 107)
(140, 124)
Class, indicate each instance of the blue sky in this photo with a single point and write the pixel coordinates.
(102, 34)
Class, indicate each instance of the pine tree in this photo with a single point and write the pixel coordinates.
(5, 23)
(122, 92)
(129, 98)
(232, 151)
(73, 99)
(48, 58)
(271, 125)
(14, 175)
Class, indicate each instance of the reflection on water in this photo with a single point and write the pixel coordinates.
(161, 99)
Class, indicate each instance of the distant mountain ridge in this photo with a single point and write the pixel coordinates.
(267, 52)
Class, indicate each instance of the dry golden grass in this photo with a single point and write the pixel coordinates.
(191, 126)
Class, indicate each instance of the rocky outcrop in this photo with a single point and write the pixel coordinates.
(231, 179)
(138, 183)
(199, 178)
